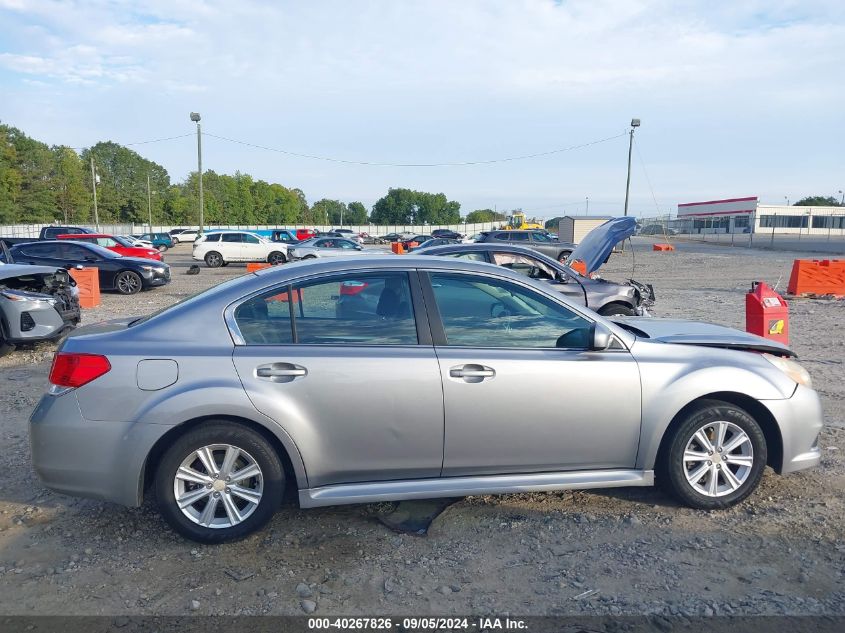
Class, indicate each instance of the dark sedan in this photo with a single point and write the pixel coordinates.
(126, 275)
(446, 234)
(536, 240)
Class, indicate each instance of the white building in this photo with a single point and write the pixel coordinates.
(743, 215)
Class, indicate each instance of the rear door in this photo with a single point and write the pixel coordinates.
(522, 390)
(348, 370)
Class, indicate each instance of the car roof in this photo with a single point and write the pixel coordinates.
(78, 236)
(483, 246)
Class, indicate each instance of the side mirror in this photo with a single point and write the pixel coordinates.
(602, 337)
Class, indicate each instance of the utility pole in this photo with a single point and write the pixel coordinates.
(588, 206)
(635, 123)
(149, 204)
(195, 117)
(94, 188)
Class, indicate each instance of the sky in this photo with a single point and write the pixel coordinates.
(736, 98)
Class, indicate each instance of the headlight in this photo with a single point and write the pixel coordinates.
(157, 269)
(11, 295)
(791, 369)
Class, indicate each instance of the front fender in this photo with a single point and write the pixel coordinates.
(673, 376)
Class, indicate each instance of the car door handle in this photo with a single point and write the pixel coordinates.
(472, 372)
(281, 372)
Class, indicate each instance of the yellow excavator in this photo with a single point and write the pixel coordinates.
(517, 222)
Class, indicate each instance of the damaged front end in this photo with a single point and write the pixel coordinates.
(645, 295)
(37, 303)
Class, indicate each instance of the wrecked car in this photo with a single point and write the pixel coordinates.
(608, 298)
(37, 303)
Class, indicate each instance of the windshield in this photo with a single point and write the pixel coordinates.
(123, 241)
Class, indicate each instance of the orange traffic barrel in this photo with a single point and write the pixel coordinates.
(397, 248)
(253, 266)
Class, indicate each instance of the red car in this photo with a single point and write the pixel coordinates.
(116, 244)
(305, 234)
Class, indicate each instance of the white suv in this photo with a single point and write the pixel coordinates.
(221, 247)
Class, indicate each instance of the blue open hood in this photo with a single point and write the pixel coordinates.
(596, 247)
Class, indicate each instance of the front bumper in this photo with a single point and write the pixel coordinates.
(154, 279)
(32, 321)
(80, 457)
(800, 420)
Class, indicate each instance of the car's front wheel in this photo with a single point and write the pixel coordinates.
(715, 457)
(616, 309)
(128, 282)
(213, 259)
(276, 257)
(219, 482)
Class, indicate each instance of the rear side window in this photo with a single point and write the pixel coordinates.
(516, 236)
(40, 250)
(231, 237)
(474, 256)
(213, 237)
(501, 236)
(367, 309)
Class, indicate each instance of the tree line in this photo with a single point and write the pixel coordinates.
(41, 184)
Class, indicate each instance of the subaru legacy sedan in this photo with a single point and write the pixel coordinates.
(266, 380)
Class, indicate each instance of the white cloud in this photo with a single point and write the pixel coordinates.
(437, 80)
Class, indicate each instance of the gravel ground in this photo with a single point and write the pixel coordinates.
(603, 552)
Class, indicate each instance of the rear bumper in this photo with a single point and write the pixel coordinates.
(800, 420)
(80, 457)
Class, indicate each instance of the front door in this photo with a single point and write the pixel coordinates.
(522, 390)
(349, 372)
(254, 250)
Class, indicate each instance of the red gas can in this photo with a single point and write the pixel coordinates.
(766, 313)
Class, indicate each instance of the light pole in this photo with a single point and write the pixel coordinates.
(94, 188)
(787, 200)
(149, 204)
(587, 212)
(842, 202)
(635, 123)
(195, 117)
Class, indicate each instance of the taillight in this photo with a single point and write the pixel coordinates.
(74, 370)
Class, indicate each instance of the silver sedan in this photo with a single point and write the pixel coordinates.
(266, 380)
(326, 247)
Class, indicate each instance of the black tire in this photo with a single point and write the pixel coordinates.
(220, 432)
(213, 259)
(128, 282)
(162, 248)
(672, 469)
(175, 241)
(6, 348)
(276, 257)
(616, 309)
(310, 257)
(224, 264)
(562, 257)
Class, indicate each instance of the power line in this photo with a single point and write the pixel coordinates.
(452, 164)
(155, 140)
(648, 180)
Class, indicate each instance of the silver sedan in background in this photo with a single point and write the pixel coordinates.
(326, 247)
(268, 378)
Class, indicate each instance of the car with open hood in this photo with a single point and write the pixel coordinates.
(608, 298)
(37, 303)
(264, 384)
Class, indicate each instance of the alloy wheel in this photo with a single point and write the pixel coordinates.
(218, 486)
(128, 283)
(718, 459)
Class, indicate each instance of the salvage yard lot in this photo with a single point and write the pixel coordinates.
(604, 552)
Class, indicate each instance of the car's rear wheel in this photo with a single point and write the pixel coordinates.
(219, 482)
(128, 282)
(562, 257)
(162, 248)
(175, 240)
(213, 259)
(616, 309)
(276, 257)
(715, 457)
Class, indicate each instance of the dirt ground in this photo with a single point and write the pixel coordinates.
(603, 552)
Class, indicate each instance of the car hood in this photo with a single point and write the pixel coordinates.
(681, 332)
(595, 248)
(10, 271)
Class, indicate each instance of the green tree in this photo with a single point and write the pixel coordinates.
(73, 200)
(818, 201)
(10, 178)
(357, 213)
(484, 215)
(30, 177)
(404, 206)
(327, 211)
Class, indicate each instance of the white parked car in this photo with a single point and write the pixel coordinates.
(184, 235)
(134, 241)
(222, 247)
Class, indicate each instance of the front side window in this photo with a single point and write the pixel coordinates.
(484, 312)
(473, 256)
(347, 244)
(366, 309)
(523, 264)
(250, 239)
(40, 250)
